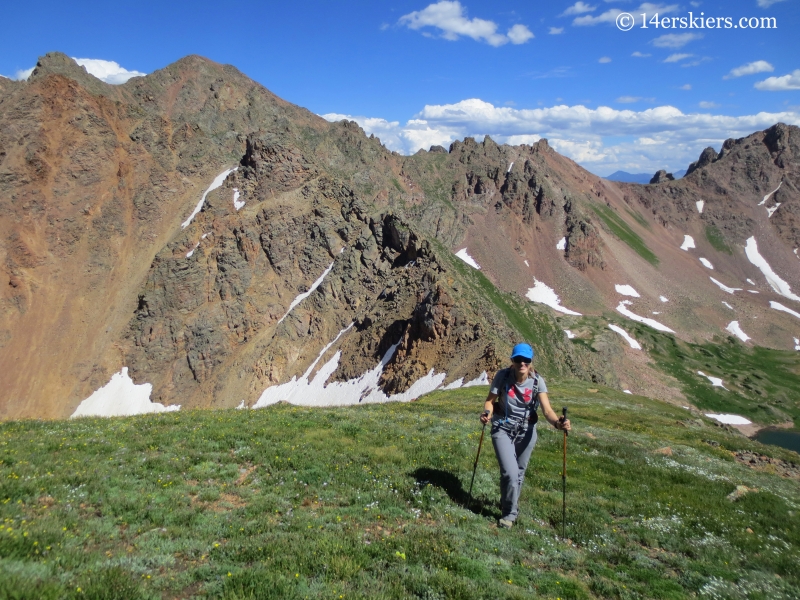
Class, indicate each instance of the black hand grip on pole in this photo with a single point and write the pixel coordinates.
(564, 481)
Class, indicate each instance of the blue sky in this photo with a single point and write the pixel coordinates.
(418, 73)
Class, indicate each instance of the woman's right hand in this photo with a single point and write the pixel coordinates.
(486, 416)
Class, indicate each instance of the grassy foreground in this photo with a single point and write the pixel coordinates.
(369, 502)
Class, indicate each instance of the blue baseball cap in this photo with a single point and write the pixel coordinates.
(523, 351)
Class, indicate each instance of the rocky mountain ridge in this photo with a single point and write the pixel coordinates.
(96, 181)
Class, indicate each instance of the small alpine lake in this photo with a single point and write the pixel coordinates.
(785, 438)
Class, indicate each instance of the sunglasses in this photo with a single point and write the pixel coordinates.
(521, 361)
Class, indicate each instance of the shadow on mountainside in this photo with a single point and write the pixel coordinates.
(451, 485)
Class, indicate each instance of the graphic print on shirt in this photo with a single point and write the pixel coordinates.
(527, 394)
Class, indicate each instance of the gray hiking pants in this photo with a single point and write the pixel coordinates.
(513, 446)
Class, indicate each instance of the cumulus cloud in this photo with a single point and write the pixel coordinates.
(23, 74)
(604, 60)
(767, 3)
(105, 70)
(686, 87)
(610, 16)
(578, 9)
(519, 34)
(780, 84)
(449, 17)
(674, 40)
(676, 57)
(387, 131)
(638, 54)
(759, 66)
(602, 139)
(556, 30)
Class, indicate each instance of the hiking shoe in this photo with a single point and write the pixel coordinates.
(505, 523)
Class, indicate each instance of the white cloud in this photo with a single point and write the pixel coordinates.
(676, 57)
(578, 9)
(686, 86)
(387, 131)
(604, 60)
(105, 70)
(675, 40)
(759, 66)
(638, 54)
(556, 30)
(767, 3)
(603, 138)
(519, 34)
(23, 74)
(610, 16)
(451, 18)
(705, 104)
(780, 84)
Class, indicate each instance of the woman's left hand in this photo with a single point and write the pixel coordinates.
(564, 425)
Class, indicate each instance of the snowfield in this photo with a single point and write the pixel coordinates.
(777, 284)
(543, 294)
(632, 342)
(120, 397)
(464, 255)
(218, 181)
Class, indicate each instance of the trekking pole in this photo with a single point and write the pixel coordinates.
(475, 466)
(564, 481)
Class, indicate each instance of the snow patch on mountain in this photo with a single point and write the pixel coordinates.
(626, 290)
(707, 263)
(361, 390)
(777, 284)
(236, 204)
(700, 205)
(300, 297)
(482, 379)
(623, 310)
(733, 327)
(562, 244)
(120, 397)
(781, 307)
(218, 180)
(464, 255)
(730, 419)
(543, 294)
(632, 342)
(715, 381)
(724, 287)
(764, 201)
(688, 242)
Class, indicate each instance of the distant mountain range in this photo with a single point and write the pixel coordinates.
(644, 178)
(188, 238)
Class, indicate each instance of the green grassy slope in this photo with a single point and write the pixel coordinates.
(760, 383)
(369, 502)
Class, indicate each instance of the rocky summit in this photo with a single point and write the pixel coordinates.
(191, 237)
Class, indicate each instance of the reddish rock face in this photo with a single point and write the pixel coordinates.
(97, 272)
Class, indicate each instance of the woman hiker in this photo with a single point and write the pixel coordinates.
(516, 392)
